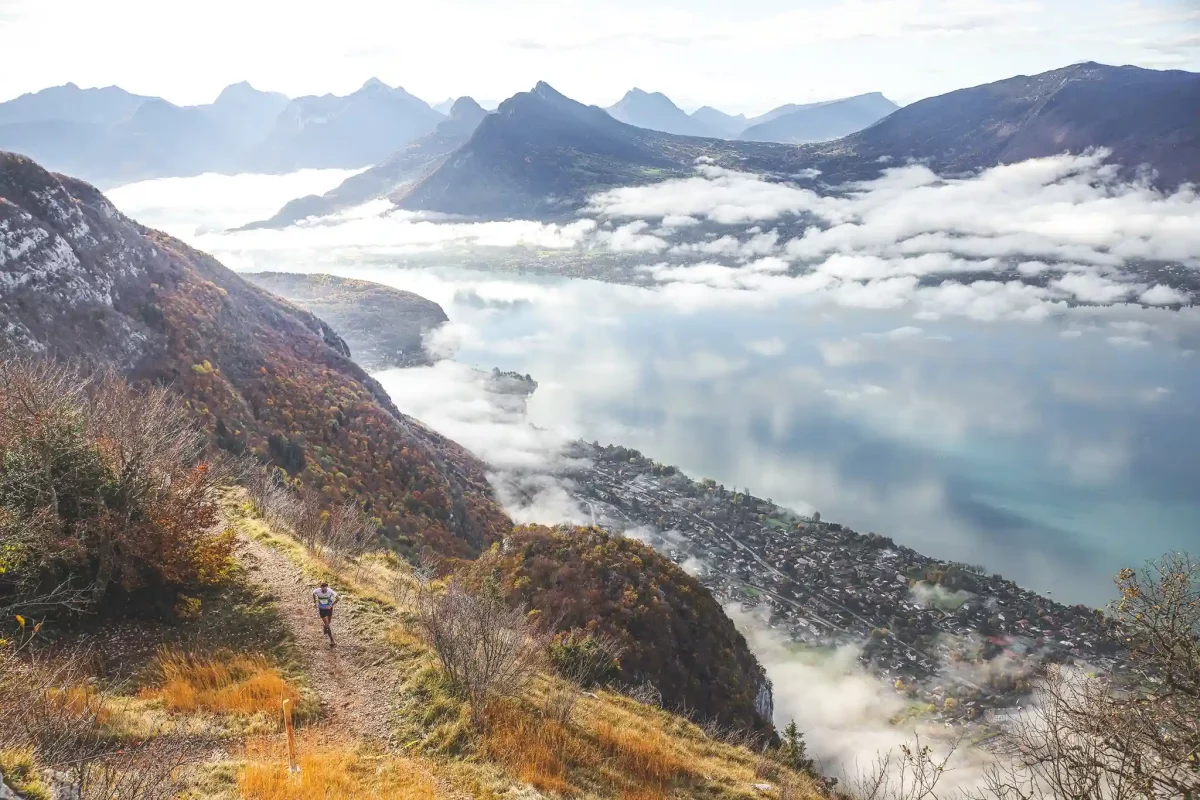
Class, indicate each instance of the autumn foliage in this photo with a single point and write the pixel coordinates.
(266, 378)
(670, 630)
(102, 487)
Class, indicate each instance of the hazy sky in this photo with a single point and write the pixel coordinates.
(740, 55)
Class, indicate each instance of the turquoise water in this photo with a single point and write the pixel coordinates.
(1054, 459)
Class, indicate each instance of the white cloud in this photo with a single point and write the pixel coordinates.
(767, 347)
(1160, 295)
(1091, 288)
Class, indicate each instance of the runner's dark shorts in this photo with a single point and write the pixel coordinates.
(325, 612)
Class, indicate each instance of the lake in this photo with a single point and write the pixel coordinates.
(1053, 449)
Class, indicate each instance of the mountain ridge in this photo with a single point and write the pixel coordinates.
(109, 136)
(79, 280)
(542, 154)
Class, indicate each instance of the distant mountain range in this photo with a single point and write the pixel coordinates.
(543, 154)
(109, 136)
(656, 112)
(818, 122)
(391, 178)
(794, 124)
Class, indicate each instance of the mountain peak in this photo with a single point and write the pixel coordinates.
(655, 111)
(548, 92)
(241, 89)
(466, 107)
(374, 84)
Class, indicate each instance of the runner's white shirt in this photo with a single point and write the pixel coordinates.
(325, 597)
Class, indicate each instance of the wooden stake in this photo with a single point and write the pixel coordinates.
(291, 736)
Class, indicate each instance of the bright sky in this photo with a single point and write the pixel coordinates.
(739, 55)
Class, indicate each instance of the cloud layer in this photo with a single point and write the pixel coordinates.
(1021, 241)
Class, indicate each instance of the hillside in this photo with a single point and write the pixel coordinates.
(81, 281)
(818, 122)
(190, 708)
(384, 327)
(1144, 116)
(674, 633)
(393, 176)
(256, 375)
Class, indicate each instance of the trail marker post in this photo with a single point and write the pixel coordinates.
(293, 767)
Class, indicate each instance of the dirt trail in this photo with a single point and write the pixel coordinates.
(356, 691)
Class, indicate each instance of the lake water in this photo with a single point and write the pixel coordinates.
(1053, 452)
(1055, 449)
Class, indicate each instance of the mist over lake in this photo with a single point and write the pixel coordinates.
(1053, 450)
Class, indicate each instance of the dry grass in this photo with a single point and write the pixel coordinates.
(539, 752)
(221, 683)
(554, 757)
(331, 771)
(647, 756)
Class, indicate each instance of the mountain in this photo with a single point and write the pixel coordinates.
(245, 114)
(656, 112)
(81, 281)
(111, 136)
(69, 103)
(384, 327)
(542, 154)
(158, 139)
(1143, 116)
(444, 106)
(586, 579)
(726, 126)
(818, 122)
(393, 176)
(356, 130)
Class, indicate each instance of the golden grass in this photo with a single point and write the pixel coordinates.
(648, 756)
(642, 761)
(329, 771)
(539, 752)
(222, 683)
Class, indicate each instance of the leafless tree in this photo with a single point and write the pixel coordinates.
(1135, 734)
(486, 648)
(1092, 736)
(349, 532)
(913, 772)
